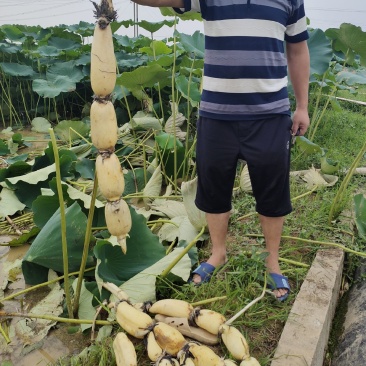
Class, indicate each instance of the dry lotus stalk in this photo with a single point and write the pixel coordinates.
(245, 182)
(195, 216)
(153, 187)
(314, 178)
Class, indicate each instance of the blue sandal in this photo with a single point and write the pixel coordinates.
(205, 271)
(277, 281)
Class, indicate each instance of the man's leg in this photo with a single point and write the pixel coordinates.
(272, 231)
(218, 227)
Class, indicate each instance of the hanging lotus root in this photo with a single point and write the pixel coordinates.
(103, 121)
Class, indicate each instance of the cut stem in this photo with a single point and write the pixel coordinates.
(208, 301)
(331, 244)
(3, 314)
(242, 311)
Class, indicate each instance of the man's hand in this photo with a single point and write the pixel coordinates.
(161, 3)
(299, 71)
(301, 122)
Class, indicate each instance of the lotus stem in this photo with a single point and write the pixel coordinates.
(81, 136)
(246, 216)
(208, 301)
(175, 155)
(331, 244)
(305, 194)
(299, 264)
(242, 311)
(162, 222)
(290, 261)
(2, 331)
(181, 255)
(35, 287)
(86, 245)
(3, 314)
(63, 225)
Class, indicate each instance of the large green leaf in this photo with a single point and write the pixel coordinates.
(86, 168)
(43, 208)
(16, 69)
(306, 146)
(129, 61)
(35, 32)
(17, 158)
(125, 41)
(85, 29)
(185, 16)
(71, 130)
(321, 52)
(194, 44)
(6, 47)
(143, 250)
(66, 68)
(360, 210)
(9, 203)
(15, 169)
(28, 186)
(46, 250)
(350, 40)
(352, 76)
(54, 86)
(135, 181)
(328, 165)
(156, 48)
(4, 149)
(190, 90)
(143, 77)
(146, 121)
(48, 51)
(13, 33)
(153, 27)
(63, 43)
(32, 177)
(116, 25)
(41, 124)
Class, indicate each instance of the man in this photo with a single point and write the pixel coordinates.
(245, 114)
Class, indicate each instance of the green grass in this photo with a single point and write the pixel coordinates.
(241, 279)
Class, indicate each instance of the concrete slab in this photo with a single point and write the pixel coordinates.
(305, 336)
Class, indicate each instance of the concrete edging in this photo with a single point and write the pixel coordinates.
(305, 336)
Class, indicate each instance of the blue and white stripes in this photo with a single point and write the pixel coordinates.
(245, 72)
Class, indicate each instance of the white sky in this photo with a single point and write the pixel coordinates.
(322, 13)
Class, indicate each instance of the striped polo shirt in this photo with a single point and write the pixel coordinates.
(245, 68)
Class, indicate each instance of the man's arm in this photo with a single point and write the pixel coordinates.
(161, 3)
(298, 61)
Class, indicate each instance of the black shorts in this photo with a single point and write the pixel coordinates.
(265, 146)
